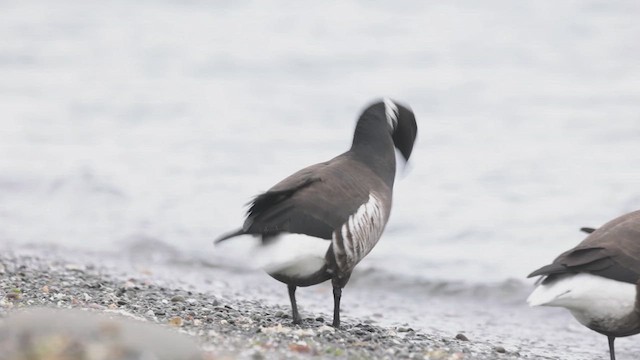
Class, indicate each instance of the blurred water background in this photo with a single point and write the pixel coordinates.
(143, 127)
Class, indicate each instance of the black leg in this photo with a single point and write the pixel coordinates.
(337, 293)
(612, 351)
(294, 306)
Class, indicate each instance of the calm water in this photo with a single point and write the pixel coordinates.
(145, 126)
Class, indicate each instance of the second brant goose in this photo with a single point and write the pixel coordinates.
(598, 280)
(318, 223)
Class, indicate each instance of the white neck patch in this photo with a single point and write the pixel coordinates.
(359, 234)
(391, 111)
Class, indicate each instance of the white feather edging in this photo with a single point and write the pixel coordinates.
(391, 111)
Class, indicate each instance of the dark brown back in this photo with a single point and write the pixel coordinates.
(316, 200)
(612, 251)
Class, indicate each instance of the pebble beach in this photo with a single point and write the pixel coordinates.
(218, 328)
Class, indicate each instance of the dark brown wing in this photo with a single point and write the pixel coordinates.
(314, 201)
(612, 251)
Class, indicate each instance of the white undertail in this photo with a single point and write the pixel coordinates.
(293, 255)
(590, 298)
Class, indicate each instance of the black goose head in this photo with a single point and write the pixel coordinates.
(381, 119)
(403, 126)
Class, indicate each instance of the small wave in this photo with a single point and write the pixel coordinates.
(149, 248)
(507, 290)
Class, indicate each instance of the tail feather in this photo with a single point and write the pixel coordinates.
(548, 270)
(588, 230)
(229, 235)
(546, 294)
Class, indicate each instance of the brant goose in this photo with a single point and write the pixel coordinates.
(598, 280)
(318, 223)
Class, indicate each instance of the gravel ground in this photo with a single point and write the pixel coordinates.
(242, 329)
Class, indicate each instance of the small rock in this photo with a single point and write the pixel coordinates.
(192, 301)
(278, 329)
(150, 313)
(300, 347)
(75, 267)
(177, 298)
(303, 332)
(94, 285)
(176, 321)
(500, 349)
(13, 296)
(320, 319)
(437, 354)
(45, 289)
(462, 337)
(279, 313)
(5, 304)
(326, 329)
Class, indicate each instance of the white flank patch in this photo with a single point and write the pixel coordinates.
(293, 255)
(360, 233)
(588, 297)
(391, 110)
